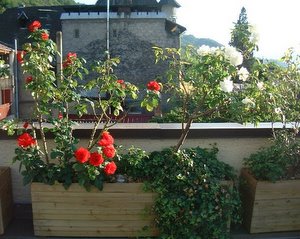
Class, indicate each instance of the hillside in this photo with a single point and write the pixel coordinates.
(197, 42)
(15, 3)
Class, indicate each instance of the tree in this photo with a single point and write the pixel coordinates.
(244, 38)
(4, 4)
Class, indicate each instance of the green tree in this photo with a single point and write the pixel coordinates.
(4, 4)
(244, 38)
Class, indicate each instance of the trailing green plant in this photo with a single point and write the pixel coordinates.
(279, 161)
(193, 199)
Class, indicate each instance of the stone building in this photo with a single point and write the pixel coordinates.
(131, 30)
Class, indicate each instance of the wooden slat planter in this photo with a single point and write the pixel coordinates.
(6, 199)
(120, 210)
(270, 207)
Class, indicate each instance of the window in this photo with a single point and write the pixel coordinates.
(114, 33)
(76, 33)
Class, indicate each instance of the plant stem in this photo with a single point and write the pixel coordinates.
(184, 134)
(44, 139)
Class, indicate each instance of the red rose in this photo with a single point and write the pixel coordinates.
(26, 140)
(106, 139)
(71, 55)
(25, 125)
(28, 79)
(153, 85)
(122, 83)
(69, 59)
(110, 168)
(20, 56)
(60, 115)
(82, 155)
(96, 159)
(34, 26)
(45, 36)
(109, 151)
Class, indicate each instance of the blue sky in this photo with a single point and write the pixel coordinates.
(277, 21)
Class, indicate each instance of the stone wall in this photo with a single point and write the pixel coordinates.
(130, 39)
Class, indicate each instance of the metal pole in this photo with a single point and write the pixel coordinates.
(16, 86)
(107, 30)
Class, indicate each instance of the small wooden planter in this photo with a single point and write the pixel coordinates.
(270, 207)
(120, 210)
(4, 109)
(6, 199)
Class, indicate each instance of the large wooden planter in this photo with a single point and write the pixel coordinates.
(270, 207)
(6, 199)
(120, 210)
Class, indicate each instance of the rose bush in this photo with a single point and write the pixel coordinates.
(56, 95)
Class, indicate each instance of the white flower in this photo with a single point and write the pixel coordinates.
(248, 101)
(260, 85)
(254, 38)
(234, 56)
(206, 50)
(227, 84)
(278, 110)
(243, 74)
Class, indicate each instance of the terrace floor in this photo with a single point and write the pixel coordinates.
(21, 227)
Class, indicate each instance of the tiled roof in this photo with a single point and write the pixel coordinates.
(11, 27)
(4, 49)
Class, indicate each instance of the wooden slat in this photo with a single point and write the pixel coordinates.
(6, 200)
(76, 212)
(96, 233)
(107, 187)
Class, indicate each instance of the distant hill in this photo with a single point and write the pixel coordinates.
(197, 42)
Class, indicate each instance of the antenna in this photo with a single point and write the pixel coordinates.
(107, 30)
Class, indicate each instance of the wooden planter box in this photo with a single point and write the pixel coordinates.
(270, 207)
(4, 109)
(120, 210)
(6, 199)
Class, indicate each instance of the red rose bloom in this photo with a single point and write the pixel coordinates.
(110, 168)
(96, 159)
(60, 115)
(20, 56)
(106, 139)
(71, 55)
(26, 140)
(109, 151)
(153, 85)
(25, 125)
(28, 79)
(34, 26)
(82, 155)
(69, 59)
(122, 83)
(45, 36)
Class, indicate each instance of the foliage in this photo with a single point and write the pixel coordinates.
(56, 95)
(279, 161)
(15, 3)
(244, 37)
(4, 69)
(200, 80)
(190, 192)
(282, 159)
